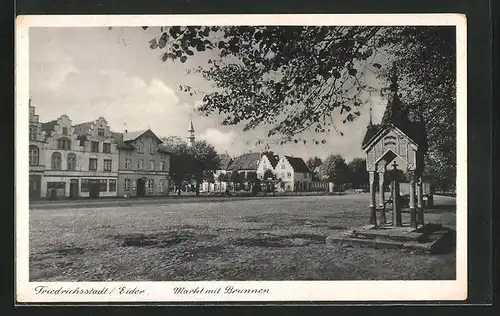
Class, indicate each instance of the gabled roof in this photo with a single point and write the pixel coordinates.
(395, 115)
(414, 130)
(130, 136)
(119, 141)
(82, 128)
(298, 164)
(273, 159)
(248, 161)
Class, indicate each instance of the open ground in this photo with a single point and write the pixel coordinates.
(274, 238)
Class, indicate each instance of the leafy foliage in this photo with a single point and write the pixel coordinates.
(290, 77)
(335, 169)
(198, 162)
(358, 175)
(313, 163)
(294, 79)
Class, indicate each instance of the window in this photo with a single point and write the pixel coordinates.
(151, 186)
(100, 131)
(151, 165)
(92, 163)
(282, 175)
(34, 155)
(127, 163)
(106, 148)
(289, 174)
(33, 132)
(283, 165)
(103, 185)
(85, 185)
(64, 143)
(140, 147)
(56, 185)
(112, 185)
(94, 147)
(161, 185)
(107, 164)
(127, 185)
(55, 162)
(140, 164)
(152, 149)
(71, 161)
(65, 130)
(162, 165)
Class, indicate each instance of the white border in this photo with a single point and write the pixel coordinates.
(279, 290)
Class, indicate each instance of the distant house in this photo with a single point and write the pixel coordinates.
(217, 186)
(294, 174)
(143, 165)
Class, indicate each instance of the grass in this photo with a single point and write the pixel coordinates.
(268, 239)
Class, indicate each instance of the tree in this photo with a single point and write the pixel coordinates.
(252, 180)
(205, 161)
(198, 162)
(335, 168)
(268, 179)
(180, 163)
(297, 78)
(313, 163)
(237, 179)
(357, 173)
(428, 70)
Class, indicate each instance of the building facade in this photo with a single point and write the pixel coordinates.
(80, 160)
(143, 166)
(294, 174)
(36, 157)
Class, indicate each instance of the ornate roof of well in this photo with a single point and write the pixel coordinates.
(396, 115)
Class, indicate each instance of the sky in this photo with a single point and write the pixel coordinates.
(89, 72)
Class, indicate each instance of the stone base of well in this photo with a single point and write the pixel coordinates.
(429, 238)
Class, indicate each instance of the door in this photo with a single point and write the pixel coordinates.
(73, 189)
(141, 187)
(35, 187)
(94, 188)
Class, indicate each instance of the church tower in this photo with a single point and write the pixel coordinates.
(191, 137)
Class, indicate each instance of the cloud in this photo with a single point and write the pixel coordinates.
(223, 141)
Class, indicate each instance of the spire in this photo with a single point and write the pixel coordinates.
(394, 111)
(370, 123)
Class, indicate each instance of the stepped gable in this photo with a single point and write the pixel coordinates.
(273, 159)
(82, 128)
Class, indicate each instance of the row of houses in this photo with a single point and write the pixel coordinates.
(90, 160)
(292, 172)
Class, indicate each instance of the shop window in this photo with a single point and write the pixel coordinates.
(112, 185)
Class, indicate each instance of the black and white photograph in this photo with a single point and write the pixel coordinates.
(236, 154)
